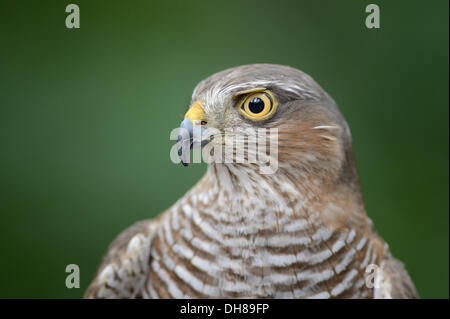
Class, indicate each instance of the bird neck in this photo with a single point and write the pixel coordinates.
(242, 194)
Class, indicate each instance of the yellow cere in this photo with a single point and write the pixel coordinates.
(196, 113)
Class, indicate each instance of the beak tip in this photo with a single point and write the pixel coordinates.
(184, 140)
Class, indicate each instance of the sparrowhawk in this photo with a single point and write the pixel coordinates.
(298, 232)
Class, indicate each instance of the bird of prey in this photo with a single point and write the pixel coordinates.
(300, 231)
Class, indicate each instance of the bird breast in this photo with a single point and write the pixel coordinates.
(211, 245)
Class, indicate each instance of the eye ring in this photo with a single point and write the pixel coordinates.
(258, 106)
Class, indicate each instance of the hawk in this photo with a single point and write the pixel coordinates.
(300, 231)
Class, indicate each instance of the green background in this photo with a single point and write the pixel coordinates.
(86, 113)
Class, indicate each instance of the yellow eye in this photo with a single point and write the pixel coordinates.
(258, 106)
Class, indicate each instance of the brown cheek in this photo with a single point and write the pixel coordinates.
(300, 144)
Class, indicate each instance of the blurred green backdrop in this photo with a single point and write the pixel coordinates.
(86, 114)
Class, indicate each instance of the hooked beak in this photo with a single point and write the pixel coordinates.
(191, 132)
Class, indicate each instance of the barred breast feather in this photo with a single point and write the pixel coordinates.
(198, 249)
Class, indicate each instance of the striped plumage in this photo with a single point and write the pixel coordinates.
(299, 233)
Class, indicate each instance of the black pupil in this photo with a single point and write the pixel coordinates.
(256, 105)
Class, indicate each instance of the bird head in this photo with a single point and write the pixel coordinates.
(312, 135)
